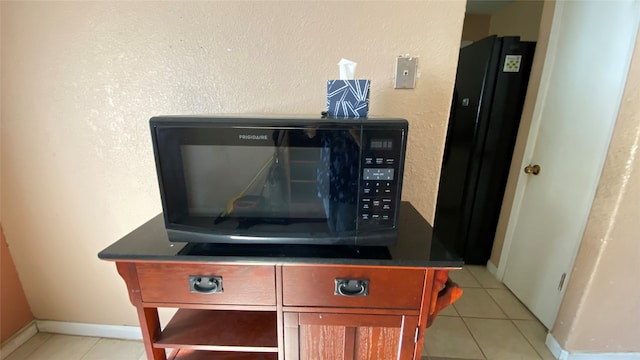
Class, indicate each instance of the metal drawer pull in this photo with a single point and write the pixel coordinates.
(205, 284)
(352, 287)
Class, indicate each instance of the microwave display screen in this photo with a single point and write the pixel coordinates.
(381, 144)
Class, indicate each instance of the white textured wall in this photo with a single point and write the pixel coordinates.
(81, 79)
(601, 307)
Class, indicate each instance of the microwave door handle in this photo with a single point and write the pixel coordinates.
(278, 142)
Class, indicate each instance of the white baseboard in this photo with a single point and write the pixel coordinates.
(96, 330)
(555, 348)
(492, 269)
(562, 354)
(18, 339)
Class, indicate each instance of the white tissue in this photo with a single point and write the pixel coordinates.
(347, 69)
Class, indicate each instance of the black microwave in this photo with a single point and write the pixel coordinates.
(280, 180)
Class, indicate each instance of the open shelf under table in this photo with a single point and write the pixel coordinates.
(185, 354)
(221, 330)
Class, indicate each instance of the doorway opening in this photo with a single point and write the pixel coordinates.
(498, 44)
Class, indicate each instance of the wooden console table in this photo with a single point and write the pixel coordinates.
(288, 302)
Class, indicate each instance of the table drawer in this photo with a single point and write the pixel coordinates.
(190, 283)
(330, 286)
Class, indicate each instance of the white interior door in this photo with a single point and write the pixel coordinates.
(584, 74)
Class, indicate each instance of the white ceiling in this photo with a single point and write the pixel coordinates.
(486, 6)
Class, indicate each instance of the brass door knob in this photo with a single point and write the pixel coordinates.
(532, 169)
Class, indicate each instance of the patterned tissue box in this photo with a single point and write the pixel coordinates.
(348, 98)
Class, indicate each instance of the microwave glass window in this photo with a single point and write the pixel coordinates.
(308, 183)
(208, 188)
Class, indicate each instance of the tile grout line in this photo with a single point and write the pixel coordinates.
(474, 338)
(36, 348)
(476, 279)
(465, 323)
(510, 319)
(526, 338)
(513, 321)
(483, 318)
(496, 304)
(499, 307)
(89, 349)
(491, 297)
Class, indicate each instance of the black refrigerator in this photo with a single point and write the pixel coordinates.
(490, 88)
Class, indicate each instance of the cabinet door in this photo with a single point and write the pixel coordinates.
(316, 336)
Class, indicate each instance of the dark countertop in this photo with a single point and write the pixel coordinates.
(416, 246)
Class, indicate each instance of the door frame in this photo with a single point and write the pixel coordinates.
(536, 100)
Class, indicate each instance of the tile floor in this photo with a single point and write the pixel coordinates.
(45, 346)
(488, 322)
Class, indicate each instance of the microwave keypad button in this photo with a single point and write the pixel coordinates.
(390, 161)
(376, 204)
(379, 161)
(378, 173)
(368, 161)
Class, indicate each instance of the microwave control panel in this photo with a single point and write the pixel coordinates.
(381, 178)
